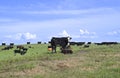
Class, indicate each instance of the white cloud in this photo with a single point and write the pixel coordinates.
(22, 36)
(117, 32)
(86, 32)
(29, 36)
(82, 32)
(64, 34)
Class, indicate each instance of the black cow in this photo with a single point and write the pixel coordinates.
(21, 51)
(39, 42)
(3, 44)
(28, 42)
(59, 41)
(80, 43)
(12, 44)
(8, 47)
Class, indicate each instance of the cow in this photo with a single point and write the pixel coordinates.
(39, 42)
(80, 43)
(66, 50)
(20, 47)
(12, 44)
(59, 41)
(21, 51)
(8, 47)
(28, 42)
(3, 44)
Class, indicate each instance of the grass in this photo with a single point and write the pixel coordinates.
(93, 62)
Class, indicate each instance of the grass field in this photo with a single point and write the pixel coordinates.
(93, 62)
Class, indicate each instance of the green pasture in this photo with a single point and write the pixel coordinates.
(101, 61)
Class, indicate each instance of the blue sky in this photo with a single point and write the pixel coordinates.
(39, 20)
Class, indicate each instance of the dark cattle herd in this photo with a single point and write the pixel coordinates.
(62, 42)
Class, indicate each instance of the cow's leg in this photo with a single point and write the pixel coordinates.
(53, 49)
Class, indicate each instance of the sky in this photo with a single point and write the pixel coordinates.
(40, 20)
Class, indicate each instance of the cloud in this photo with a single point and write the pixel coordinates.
(112, 33)
(82, 34)
(22, 36)
(86, 32)
(64, 33)
(29, 36)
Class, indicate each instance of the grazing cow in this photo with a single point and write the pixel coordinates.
(62, 41)
(25, 49)
(21, 51)
(8, 47)
(20, 47)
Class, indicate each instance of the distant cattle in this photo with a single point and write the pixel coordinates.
(45, 43)
(77, 43)
(89, 42)
(20, 46)
(80, 43)
(12, 44)
(3, 44)
(39, 42)
(8, 47)
(107, 43)
(72, 43)
(63, 42)
(98, 43)
(28, 42)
